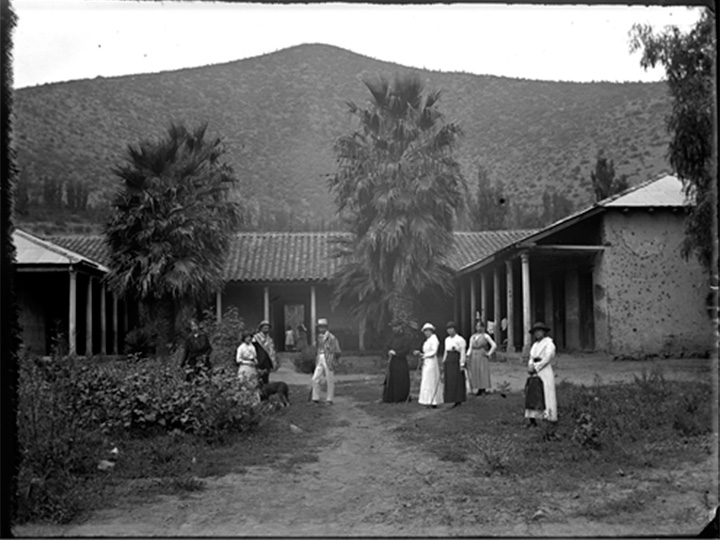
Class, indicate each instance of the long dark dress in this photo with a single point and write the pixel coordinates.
(264, 363)
(397, 380)
(455, 391)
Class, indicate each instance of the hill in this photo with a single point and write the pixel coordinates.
(281, 112)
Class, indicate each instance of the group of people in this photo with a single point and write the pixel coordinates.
(464, 368)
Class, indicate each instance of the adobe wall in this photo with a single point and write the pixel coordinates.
(649, 300)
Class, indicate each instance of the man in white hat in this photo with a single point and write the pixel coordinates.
(328, 354)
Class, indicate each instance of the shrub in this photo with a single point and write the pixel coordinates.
(142, 340)
(224, 335)
(304, 362)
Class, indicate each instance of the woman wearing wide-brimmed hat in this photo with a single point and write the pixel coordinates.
(542, 354)
(430, 389)
(454, 366)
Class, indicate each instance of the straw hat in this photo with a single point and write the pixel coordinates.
(322, 322)
(428, 326)
(264, 323)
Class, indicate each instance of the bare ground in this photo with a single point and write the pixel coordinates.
(368, 482)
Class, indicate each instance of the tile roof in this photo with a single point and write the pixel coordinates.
(285, 256)
(32, 250)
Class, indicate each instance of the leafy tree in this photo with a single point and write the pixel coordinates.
(603, 178)
(172, 223)
(399, 190)
(555, 206)
(488, 209)
(689, 60)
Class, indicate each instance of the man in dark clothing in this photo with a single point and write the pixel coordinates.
(265, 347)
(197, 352)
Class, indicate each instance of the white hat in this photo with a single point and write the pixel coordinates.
(428, 326)
(322, 322)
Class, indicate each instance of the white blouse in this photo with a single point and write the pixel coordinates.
(430, 347)
(543, 349)
(457, 343)
(246, 353)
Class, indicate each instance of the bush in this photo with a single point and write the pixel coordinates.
(224, 336)
(304, 362)
(59, 451)
(142, 340)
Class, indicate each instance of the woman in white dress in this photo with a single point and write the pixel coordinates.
(542, 354)
(246, 358)
(430, 390)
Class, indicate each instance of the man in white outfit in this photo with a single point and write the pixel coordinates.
(328, 354)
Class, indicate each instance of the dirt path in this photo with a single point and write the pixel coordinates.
(367, 482)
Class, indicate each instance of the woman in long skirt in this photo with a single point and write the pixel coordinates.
(542, 354)
(430, 389)
(397, 380)
(454, 365)
(246, 359)
(482, 347)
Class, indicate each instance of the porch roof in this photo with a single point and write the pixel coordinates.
(663, 191)
(307, 256)
(36, 252)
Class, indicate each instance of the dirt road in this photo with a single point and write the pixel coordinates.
(368, 482)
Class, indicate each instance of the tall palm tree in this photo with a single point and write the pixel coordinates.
(398, 189)
(172, 223)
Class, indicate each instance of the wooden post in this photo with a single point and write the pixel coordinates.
(313, 315)
(103, 321)
(72, 318)
(361, 335)
(496, 306)
(525, 260)
(89, 319)
(266, 303)
(115, 349)
(473, 303)
(483, 297)
(510, 307)
(218, 306)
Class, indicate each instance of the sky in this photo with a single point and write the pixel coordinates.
(60, 40)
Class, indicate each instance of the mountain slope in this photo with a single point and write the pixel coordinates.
(280, 114)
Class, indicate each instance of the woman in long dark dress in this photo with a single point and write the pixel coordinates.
(397, 380)
(454, 366)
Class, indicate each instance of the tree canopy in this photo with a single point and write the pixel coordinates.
(172, 221)
(690, 61)
(398, 189)
(603, 179)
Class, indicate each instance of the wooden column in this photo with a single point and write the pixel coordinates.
(483, 297)
(361, 335)
(473, 303)
(496, 306)
(72, 318)
(266, 303)
(218, 306)
(313, 315)
(103, 321)
(510, 307)
(463, 309)
(115, 349)
(89, 319)
(525, 260)
(548, 297)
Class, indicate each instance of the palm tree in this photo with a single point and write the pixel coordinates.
(398, 189)
(171, 224)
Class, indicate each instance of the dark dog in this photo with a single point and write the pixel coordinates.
(276, 388)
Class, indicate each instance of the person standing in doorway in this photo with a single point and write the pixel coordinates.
(328, 355)
(289, 339)
(302, 337)
(196, 358)
(454, 366)
(266, 361)
(482, 347)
